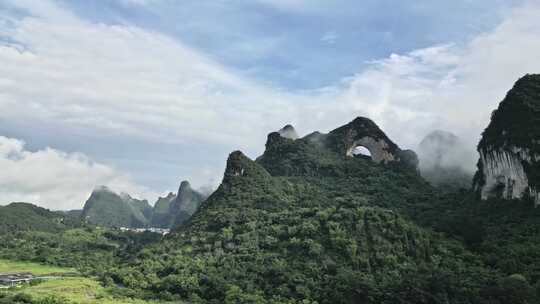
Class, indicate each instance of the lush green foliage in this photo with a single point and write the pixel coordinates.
(22, 216)
(516, 123)
(174, 210)
(340, 233)
(108, 209)
(161, 215)
(89, 250)
(67, 287)
(306, 224)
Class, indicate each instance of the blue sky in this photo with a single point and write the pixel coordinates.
(141, 94)
(303, 44)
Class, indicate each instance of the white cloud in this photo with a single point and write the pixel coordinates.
(138, 2)
(62, 71)
(329, 38)
(55, 179)
(447, 87)
(124, 80)
(306, 6)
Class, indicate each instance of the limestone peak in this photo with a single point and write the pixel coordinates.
(509, 152)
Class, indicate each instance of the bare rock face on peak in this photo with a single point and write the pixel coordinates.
(239, 165)
(509, 165)
(312, 153)
(365, 133)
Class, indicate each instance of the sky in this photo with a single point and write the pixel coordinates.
(139, 95)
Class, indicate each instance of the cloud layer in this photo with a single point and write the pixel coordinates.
(55, 179)
(68, 75)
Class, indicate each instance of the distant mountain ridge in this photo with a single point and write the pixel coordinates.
(174, 210)
(309, 222)
(26, 217)
(107, 208)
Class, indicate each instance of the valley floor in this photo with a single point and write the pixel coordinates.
(72, 289)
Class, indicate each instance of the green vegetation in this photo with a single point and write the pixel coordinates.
(517, 119)
(70, 290)
(108, 209)
(89, 250)
(63, 290)
(7, 267)
(305, 224)
(516, 123)
(24, 216)
(161, 217)
(174, 210)
(285, 239)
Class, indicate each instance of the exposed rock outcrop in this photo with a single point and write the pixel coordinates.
(239, 165)
(509, 165)
(187, 201)
(313, 154)
(364, 132)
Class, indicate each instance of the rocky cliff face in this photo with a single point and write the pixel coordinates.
(509, 165)
(281, 151)
(365, 133)
(187, 201)
(161, 215)
(174, 209)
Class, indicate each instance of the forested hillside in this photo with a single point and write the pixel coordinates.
(325, 228)
(109, 209)
(311, 221)
(25, 217)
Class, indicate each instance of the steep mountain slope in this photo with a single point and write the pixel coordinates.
(25, 217)
(309, 223)
(509, 165)
(443, 160)
(175, 209)
(106, 208)
(185, 204)
(160, 214)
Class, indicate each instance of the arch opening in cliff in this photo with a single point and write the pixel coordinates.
(361, 151)
(377, 149)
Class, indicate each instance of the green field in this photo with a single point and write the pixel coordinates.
(7, 267)
(76, 290)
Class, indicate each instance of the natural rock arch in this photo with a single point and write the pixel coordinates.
(364, 132)
(361, 151)
(377, 149)
(361, 131)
